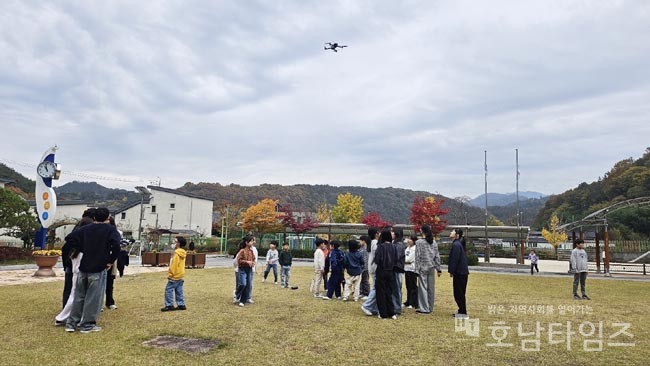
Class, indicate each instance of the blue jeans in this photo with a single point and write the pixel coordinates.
(275, 271)
(334, 284)
(245, 281)
(371, 301)
(285, 273)
(174, 287)
(88, 296)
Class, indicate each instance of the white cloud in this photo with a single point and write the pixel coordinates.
(244, 93)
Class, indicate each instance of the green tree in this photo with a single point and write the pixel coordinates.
(15, 218)
(553, 235)
(348, 209)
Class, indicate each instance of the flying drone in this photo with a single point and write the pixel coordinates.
(333, 46)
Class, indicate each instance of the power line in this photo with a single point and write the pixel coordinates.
(81, 174)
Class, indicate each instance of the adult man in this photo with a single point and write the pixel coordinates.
(100, 245)
(87, 218)
(459, 271)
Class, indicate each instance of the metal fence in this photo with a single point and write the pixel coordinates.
(623, 268)
(628, 246)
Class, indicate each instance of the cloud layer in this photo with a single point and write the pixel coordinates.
(243, 92)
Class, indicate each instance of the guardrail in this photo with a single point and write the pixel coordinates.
(623, 268)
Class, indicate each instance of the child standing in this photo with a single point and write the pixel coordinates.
(272, 262)
(354, 265)
(579, 265)
(364, 241)
(319, 267)
(533, 261)
(410, 275)
(285, 264)
(175, 276)
(336, 260)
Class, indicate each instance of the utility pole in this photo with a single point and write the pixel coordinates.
(487, 240)
(521, 258)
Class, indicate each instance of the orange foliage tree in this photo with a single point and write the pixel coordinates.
(262, 218)
(428, 211)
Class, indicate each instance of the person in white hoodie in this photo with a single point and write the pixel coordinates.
(319, 267)
(272, 262)
(579, 267)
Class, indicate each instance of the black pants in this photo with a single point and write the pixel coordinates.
(533, 265)
(411, 279)
(365, 283)
(67, 285)
(385, 288)
(334, 284)
(460, 288)
(109, 290)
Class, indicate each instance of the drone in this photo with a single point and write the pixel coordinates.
(333, 46)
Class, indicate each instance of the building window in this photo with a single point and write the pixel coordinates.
(123, 216)
(153, 209)
(172, 206)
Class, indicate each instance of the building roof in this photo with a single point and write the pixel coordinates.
(180, 193)
(131, 204)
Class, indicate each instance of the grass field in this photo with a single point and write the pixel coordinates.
(289, 327)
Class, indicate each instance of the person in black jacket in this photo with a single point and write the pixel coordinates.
(87, 218)
(398, 269)
(459, 271)
(100, 244)
(385, 258)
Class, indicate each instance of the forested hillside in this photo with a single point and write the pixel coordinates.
(393, 204)
(628, 179)
(25, 185)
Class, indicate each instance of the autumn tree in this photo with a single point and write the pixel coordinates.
(373, 219)
(15, 218)
(348, 209)
(428, 211)
(262, 218)
(324, 213)
(297, 222)
(553, 235)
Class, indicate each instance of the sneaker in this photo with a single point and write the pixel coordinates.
(241, 304)
(69, 330)
(181, 307)
(326, 298)
(576, 297)
(345, 299)
(585, 297)
(275, 283)
(250, 301)
(355, 300)
(263, 280)
(364, 297)
(409, 307)
(113, 307)
(338, 298)
(424, 312)
(93, 329)
(366, 311)
(318, 296)
(461, 316)
(394, 317)
(167, 308)
(58, 323)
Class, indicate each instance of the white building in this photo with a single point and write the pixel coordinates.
(168, 209)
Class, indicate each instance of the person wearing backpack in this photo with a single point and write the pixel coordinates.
(337, 265)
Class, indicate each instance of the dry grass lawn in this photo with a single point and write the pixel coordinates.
(289, 327)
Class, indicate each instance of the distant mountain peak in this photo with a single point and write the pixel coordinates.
(504, 199)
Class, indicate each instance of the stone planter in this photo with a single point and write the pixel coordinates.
(45, 264)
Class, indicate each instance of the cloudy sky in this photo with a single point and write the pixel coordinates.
(243, 92)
